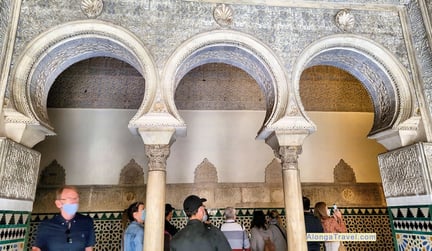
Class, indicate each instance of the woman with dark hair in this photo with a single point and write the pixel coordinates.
(260, 235)
(134, 234)
(331, 224)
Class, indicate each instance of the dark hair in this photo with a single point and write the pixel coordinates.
(258, 220)
(306, 204)
(132, 209)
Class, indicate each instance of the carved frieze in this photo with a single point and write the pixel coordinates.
(405, 172)
(19, 168)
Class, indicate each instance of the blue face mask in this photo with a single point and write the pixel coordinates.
(70, 209)
(143, 215)
(205, 218)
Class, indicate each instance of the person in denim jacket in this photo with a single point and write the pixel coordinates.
(134, 234)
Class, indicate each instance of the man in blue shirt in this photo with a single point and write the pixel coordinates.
(67, 231)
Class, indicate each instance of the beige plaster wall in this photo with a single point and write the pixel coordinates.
(94, 145)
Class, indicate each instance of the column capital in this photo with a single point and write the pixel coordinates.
(289, 156)
(157, 155)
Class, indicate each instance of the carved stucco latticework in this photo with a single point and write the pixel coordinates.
(289, 156)
(273, 172)
(53, 174)
(343, 173)
(157, 156)
(410, 165)
(132, 174)
(206, 172)
(19, 168)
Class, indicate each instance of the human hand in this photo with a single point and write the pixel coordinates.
(337, 213)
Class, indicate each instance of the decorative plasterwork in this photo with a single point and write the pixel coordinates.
(53, 175)
(345, 20)
(223, 15)
(402, 179)
(92, 8)
(55, 50)
(132, 174)
(19, 168)
(343, 173)
(250, 54)
(377, 69)
(273, 172)
(416, 32)
(206, 172)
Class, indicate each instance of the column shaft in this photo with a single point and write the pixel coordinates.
(155, 197)
(296, 231)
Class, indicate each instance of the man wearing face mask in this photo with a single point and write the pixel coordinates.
(69, 230)
(196, 235)
(134, 234)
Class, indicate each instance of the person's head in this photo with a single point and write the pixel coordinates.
(136, 212)
(306, 204)
(194, 208)
(274, 217)
(67, 200)
(273, 214)
(168, 211)
(258, 219)
(320, 210)
(230, 213)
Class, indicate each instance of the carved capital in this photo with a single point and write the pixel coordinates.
(157, 155)
(289, 156)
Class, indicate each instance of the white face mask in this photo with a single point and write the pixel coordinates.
(205, 218)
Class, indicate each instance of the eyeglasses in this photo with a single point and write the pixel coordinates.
(67, 232)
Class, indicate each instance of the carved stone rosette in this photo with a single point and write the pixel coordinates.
(345, 20)
(405, 171)
(92, 8)
(157, 155)
(289, 156)
(223, 15)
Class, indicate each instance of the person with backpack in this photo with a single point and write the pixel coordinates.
(262, 238)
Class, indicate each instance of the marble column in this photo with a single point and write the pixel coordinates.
(296, 232)
(155, 197)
